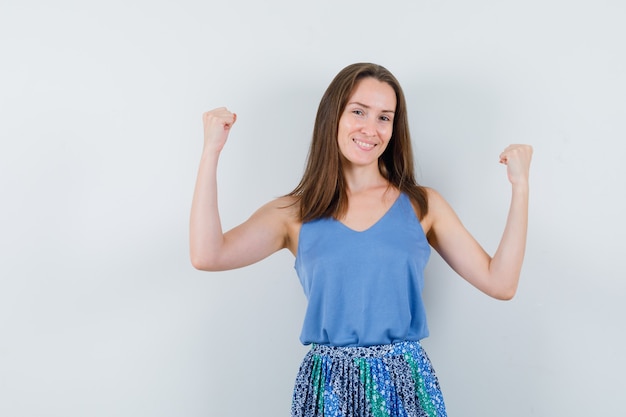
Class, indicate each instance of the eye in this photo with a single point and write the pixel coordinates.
(385, 118)
(358, 112)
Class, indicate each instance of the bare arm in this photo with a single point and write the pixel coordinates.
(497, 276)
(264, 233)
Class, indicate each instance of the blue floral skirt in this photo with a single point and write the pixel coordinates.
(394, 380)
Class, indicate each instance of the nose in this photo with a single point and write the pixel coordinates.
(369, 126)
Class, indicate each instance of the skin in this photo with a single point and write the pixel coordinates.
(364, 131)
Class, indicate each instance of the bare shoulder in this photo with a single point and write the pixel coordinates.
(437, 205)
(285, 208)
(284, 212)
(281, 210)
(435, 199)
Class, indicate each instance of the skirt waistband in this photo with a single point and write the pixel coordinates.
(376, 351)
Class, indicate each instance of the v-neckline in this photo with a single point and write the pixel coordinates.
(380, 219)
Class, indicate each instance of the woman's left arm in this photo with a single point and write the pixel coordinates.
(497, 276)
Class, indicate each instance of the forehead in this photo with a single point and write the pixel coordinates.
(374, 93)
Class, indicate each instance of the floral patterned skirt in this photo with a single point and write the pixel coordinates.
(394, 380)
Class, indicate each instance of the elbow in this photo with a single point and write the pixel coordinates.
(198, 263)
(206, 256)
(502, 286)
(202, 263)
(504, 294)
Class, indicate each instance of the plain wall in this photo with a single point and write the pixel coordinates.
(101, 313)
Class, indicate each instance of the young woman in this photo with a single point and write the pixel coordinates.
(361, 229)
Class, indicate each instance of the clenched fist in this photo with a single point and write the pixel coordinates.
(217, 124)
(517, 160)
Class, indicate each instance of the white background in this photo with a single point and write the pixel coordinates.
(101, 313)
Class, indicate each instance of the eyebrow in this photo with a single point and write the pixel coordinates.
(368, 107)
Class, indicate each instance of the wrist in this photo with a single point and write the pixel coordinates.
(520, 189)
(211, 152)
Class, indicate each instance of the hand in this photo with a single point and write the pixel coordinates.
(517, 160)
(217, 124)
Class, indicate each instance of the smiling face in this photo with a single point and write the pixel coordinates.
(366, 123)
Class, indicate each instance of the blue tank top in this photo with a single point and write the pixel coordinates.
(364, 288)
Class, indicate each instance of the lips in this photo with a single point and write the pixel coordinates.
(364, 145)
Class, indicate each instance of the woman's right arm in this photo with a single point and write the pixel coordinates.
(264, 233)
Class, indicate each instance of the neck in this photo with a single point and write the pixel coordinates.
(360, 179)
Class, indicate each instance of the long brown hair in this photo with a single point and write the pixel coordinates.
(322, 189)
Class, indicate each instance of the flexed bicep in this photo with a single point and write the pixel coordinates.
(264, 233)
(449, 237)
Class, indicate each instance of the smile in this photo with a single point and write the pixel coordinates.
(363, 145)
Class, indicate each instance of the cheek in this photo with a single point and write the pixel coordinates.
(386, 132)
(344, 131)
(344, 124)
